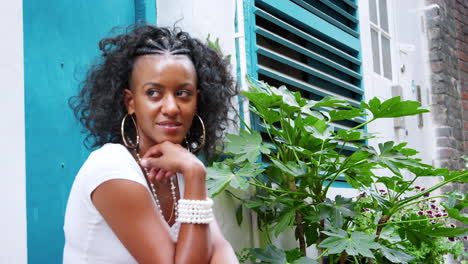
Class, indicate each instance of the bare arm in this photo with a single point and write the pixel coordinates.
(222, 250)
(193, 244)
(128, 209)
(148, 239)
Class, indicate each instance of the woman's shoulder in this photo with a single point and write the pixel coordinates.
(110, 154)
(110, 160)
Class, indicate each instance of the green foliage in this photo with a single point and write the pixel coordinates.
(287, 171)
(274, 255)
(215, 45)
(393, 107)
(357, 244)
(246, 146)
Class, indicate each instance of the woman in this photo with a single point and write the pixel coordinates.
(157, 96)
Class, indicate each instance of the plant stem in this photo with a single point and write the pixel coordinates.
(320, 239)
(428, 198)
(338, 175)
(410, 221)
(286, 131)
(275, 190)
(355, 259)
(233, 195)
(318, 190)
(268, 234)
(363, 124)
(380, 225)
(400, 204)
(323, 253)
(301, 234)
(343, 257)
(404, 190)
(268, 130)
(243, 122)
(299, 220)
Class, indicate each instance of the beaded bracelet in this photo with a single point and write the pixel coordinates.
(195, 211)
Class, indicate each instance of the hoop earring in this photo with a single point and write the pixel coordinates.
(195, 146)
(124, 139)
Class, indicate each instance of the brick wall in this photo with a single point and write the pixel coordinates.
(448, 47)
(447, 28)
(461, 15)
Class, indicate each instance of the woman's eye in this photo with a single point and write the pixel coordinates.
(184, 93)
(152, 93)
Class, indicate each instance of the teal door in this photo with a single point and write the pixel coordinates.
(60, 41)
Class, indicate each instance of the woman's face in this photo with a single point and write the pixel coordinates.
(163, 97)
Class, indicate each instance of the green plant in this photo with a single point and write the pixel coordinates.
(298, 157)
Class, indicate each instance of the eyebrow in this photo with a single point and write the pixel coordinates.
(162, 86)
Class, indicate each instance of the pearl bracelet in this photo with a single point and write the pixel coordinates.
(195, 211)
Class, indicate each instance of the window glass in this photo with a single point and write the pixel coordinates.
(383, 13)
(386, 57)
(373, 11)
(375, 50)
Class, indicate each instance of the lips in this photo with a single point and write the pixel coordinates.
(169, 126)
(169, 123)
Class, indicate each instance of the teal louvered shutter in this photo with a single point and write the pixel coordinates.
(311, 46)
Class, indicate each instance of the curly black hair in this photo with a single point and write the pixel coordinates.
(100, 104)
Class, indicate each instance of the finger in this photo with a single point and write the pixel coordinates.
(154, 151)
(150, 163)
(169, 174)
(153, 173)
(160, 175)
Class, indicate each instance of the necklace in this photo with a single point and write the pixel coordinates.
(155, 196)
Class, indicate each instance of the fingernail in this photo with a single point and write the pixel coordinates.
(144, 163)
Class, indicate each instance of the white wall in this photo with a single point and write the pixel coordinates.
(12, 157)
(409, 48)
(216, 18)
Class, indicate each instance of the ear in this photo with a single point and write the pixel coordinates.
(129, 101)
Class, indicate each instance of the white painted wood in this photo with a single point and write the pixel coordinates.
(13, 240)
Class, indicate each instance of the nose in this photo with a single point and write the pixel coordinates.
(170, 107)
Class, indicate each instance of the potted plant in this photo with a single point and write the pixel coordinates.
(287, 166)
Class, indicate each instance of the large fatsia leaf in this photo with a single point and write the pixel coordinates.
(395, 183)
(328, 101)
(336, 115)
(349, 135)
(286, 219)
(270, 254)
(395, 255)
(246, 146)
(220, 176)
(393, 107)
(391, 157)
(455, 210)
(290, 103)
(304, 260)
(359, 243)
(291, 168)
(263, 99)
(335, 211)
(457, 176)
(446, 231)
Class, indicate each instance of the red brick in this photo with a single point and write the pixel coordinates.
(465, 105)
(465, 95)
(458, 15)
(465, 126)
(463, 65)
(463, 47)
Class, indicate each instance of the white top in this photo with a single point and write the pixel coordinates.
(88, 238)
